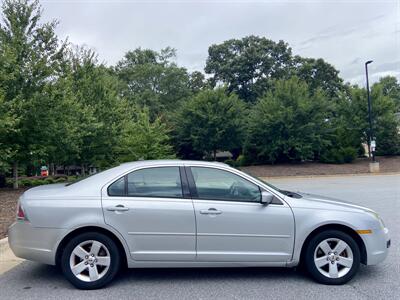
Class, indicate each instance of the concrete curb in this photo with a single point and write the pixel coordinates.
(7, 258)
(4, 245)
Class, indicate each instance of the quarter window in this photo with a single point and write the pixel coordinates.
(117, 188)
(155, 182)
(218, 184)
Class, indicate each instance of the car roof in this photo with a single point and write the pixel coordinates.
(96, 181)
(175, 162)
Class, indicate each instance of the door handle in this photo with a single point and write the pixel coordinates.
(210, 211)
(117, 208)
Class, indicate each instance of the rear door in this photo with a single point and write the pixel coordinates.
(232, 224)
(151, 208)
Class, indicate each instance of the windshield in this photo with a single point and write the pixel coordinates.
(263, 181)
(287, 193)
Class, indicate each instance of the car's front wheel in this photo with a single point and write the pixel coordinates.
(332, 257)
(90, 260)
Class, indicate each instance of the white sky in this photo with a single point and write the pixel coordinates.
(344, 33)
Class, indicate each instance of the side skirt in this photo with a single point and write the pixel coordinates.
(193, 264)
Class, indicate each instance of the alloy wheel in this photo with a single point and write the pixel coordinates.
(333, 258)
(90, 261)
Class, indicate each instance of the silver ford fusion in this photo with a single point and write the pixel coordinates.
(149, 214)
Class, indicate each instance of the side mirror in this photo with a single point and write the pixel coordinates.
(266, 198)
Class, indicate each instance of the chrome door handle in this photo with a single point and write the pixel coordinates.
(117, 208)
(210, 211)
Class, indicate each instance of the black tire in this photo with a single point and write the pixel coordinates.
(115, 260)
(311, 248)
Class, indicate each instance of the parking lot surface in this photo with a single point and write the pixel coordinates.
(31, 280)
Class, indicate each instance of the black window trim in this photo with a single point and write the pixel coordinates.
(182, 177)
(184, 183)
(193, 188)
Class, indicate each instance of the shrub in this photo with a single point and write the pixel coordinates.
(349, 154)
(241, 161)
(60, 179)
(2, 180)
(9, 182)
(25, 182)
(339, 155)
(36, 182)
(49, 180)
(231, 162)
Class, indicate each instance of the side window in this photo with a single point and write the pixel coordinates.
(218, 184)
(117, 188)
(155, 182)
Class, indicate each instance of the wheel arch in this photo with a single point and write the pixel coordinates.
(340, 227)
(92, 228)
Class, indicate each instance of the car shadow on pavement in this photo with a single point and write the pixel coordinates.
(206, 274)
(31, 271)
(29, 274)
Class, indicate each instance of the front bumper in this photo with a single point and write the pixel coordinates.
(377, 245)
(34, 243)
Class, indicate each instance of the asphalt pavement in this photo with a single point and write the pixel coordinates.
(31, 280)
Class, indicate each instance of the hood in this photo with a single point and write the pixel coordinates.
(318, 201)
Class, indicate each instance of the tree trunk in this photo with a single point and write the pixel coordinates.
(51, 169)
(82, 169)
(15, 174)
(369, 148)
(215, 154)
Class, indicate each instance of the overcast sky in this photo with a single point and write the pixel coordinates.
(345, 33)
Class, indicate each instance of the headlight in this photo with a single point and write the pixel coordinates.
(378, 218)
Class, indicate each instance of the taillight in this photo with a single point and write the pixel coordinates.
(21, 213)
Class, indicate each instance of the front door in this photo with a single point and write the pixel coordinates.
(150, 209)
(232, 224)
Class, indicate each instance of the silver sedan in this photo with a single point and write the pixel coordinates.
(170, 213)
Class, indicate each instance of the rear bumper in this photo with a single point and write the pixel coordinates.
(32, 243)
(377, 245)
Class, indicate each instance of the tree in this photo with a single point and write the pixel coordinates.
(208, 122)
(95, 89)
(247, 65)
(7, 127)
(197, 82)
(143, 139)
(353, 118)
(318, 74)
(149, 79)
(250, 65)
(288, 124)
(67, 125)
(391, 88)
(30, 57)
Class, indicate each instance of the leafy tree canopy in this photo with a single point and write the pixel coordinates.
(318, 74)
(288, 124)
(152, 80)
(209, 121)
(144, 139)
(246, 65)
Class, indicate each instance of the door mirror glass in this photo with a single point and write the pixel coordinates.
(266, 198)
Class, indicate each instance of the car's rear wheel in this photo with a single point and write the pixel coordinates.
(332, 257)
(90, 260)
